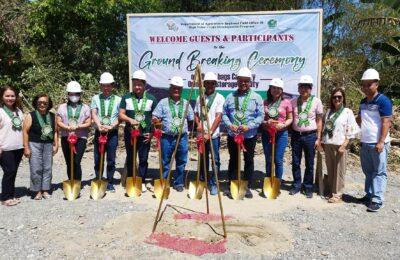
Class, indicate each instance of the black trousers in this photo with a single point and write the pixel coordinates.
(142, 150)
(9, 162)
(80, 147)
(250, 144)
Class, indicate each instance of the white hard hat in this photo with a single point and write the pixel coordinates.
(176, 81)
(106, 78)
(370, 74)
(277, 82)
(210, 76)
(306, 79)
(74, 87)
(139, 74)
(244, 72)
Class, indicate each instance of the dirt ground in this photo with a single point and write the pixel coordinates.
(118, 226)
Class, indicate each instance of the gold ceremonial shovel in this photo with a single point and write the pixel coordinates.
(196, 188)
(238, 187)
(98, 187)
(272, 185)
(159, 184)
(71, 187)
(134, 184)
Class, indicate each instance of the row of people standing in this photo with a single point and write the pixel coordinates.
(242, 113)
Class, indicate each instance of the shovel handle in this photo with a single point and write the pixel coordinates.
(72, 166)
(239, 164)
(134, 159)
(273, 157)
(101, 166)
(161, 165)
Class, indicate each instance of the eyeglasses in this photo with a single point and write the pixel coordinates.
(337, 97)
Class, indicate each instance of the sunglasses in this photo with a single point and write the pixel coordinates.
(337, 97)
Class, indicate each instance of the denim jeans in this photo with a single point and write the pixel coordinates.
(110, 151)
(142, 150)
(250, 144)
(302, 143)
(281, 142)
(210, 175)
(373, 165)
(168, 143)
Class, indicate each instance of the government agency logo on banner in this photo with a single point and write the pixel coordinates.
(172, 26)
(272, 23)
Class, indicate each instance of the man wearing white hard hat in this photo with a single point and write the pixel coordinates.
(306, 136)
(73, 117)
(105, 109)
(136, 109)
(278, 116)
(374, 117)
(243, 112)
(214, 102)
(170, 112)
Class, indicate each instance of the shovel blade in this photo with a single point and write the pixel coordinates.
(159, 188)
(133, 186)
(238, 190)
(71, 189)
(271, 188)
(98, 189)
(196, 189)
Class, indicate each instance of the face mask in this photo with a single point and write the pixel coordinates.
(74, 99)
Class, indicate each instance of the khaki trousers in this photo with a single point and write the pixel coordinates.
(336, 168)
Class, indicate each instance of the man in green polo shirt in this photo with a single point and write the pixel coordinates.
(104, 108)
(136, 108)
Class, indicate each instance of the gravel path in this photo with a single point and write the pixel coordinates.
(116, 226)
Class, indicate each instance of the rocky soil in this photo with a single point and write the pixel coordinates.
(118, 226)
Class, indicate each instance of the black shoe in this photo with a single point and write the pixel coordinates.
(374, 207)
(293, 191)
(228, 194)
(364, 199)
(309, 194)
(179, 188)
(248, 194)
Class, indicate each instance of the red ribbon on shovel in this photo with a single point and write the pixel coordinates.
(134, 134)
(102, 143)
(239, 139)
(271, 130)
(157, 135)
(72, 140)
(200, 144)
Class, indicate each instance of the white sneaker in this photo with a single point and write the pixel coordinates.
(144, 189)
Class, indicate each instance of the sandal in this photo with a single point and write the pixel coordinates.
(335, 200)
(38, 196)
(9, 203)
(46, 195)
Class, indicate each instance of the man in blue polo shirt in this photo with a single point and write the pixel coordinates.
(171, 111)
(375, 119)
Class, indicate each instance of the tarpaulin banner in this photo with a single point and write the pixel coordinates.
(283, 44)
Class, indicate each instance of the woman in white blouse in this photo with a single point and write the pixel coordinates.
(339, 128)
(11, 145)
